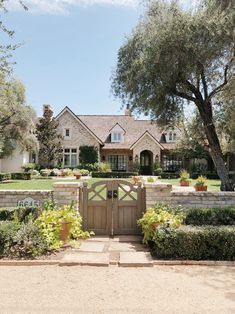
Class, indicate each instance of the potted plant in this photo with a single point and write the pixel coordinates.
(200, 184)
(77, 174)
(136, 179)
(65, 229)
(45, 172)
(184, 178)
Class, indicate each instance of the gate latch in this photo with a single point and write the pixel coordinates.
(110, 194)
(115, 194)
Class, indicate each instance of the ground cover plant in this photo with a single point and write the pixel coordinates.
(198, 234)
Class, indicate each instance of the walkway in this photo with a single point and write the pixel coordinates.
(105, 251)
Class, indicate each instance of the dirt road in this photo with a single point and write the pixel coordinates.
(165, 289)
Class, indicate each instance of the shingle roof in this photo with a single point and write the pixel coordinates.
(102, 124)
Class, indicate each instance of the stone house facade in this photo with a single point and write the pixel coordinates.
(120, 140)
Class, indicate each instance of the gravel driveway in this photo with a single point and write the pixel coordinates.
(162, 289)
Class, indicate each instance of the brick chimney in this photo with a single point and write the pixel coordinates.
(128, 110)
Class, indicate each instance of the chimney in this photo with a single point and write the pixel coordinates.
(128, 110)
(47, 107)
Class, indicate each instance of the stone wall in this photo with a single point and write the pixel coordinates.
(66, 192)
(147, 143)
(162, 192)
(12, 198)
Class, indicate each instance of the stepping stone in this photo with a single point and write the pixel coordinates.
(98, 239)
(135, 259)
(85, 259)
(126, 247)
(92, 247)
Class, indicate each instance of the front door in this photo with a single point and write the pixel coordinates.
(146, 162)
(112, 207)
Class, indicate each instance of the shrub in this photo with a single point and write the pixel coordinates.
(158, 171)
(35, 173)
(89, 167)
(195, 243)
(136, 167)
(21, 176)
(45, 172)
(113, 174)
(210, 216)
(169, 175)
(49, 224)
(104, 167)
(67, 172)
(29, 167)
(19, 214)
(7, 213)
(5, 176)
(157, 217)
(88, 154)
(8, 230)
(150, 180)
(55, 172)
(84, 172)
(27, 242)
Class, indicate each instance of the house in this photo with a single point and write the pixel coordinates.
(121, 140)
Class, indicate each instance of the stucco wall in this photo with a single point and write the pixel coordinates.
(147, 143)
(15, 161)
(79, 135)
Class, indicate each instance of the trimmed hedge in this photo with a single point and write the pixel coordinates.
(210, 216)
(98, 174)
(5, 176)
(195, 243)
(169, 175)
(21, 176)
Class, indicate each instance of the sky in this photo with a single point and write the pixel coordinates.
(69, 50)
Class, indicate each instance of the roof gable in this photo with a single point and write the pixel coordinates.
(67, 109)
(117, 128)
(146, 133)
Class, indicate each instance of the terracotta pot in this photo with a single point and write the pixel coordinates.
(201, 188)
(184, 183)
(78, 176)
(64, 231)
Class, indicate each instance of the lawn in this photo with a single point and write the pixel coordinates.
(47, 184)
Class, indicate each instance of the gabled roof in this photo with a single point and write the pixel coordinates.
(142, 136)
(119, 126)
(80, 121)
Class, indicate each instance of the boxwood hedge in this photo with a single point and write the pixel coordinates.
(195, 243)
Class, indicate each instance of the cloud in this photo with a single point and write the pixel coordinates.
(64, 6)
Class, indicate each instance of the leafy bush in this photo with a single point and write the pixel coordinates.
(6, 214)
(159, 216)
(88, 154)
(49, 224)
(210, 216)
(5, 176)
(104, 167)
(29, 167)
(8, 230)
(27, 242)
(150, 180)
(45, 172)
(113, 174)
(195, 243)
(19, 214)
(21, 176)
(84, 172)
(67, 172)
(136, 167)
(89, 167)
(169, 175)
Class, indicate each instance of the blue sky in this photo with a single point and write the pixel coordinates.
(69, 50)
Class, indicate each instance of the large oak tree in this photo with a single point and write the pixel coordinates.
(175, 58)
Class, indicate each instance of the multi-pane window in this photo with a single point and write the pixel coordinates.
(70, 157)
(116, 137)
(118, 162)
(67, 133)
(172, 163)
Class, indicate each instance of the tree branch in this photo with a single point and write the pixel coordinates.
(5, 120)
(205, 89)
(184, 95)
(219, 88)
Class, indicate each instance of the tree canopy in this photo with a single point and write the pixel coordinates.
(175, 58)
(17, 120)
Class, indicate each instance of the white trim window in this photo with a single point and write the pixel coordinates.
(70, 157)
(67, 133)
(116, 137)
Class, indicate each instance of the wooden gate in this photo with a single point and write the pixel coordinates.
(112, 207)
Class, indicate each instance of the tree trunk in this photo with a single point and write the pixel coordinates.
(215, 149)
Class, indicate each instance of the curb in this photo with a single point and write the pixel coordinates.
(154, 263)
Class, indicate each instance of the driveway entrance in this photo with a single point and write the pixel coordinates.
(112, 207)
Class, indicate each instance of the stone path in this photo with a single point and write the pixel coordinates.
(128, 251)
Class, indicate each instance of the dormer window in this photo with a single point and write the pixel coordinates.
(117, 134)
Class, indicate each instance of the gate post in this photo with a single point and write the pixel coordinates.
(66, 192)
(157, 193)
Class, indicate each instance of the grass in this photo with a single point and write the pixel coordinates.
(47, 184)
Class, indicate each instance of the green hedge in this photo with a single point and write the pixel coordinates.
(169, 175)
(195, 243)
(5, 176)
(114, 174)
(210, 216)
(21, 176)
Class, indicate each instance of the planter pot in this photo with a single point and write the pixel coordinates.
(78, 176)
(64, 231)
(200, 188)
(184, 183)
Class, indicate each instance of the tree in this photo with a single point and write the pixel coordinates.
(17, 119)
(50, 140)
(88, 155)
(175, 58)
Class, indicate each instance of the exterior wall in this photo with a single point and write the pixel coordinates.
(79, 135)
(162, 192)
(147, 143)
(14, 162)
(66, 192)
(11, 198)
